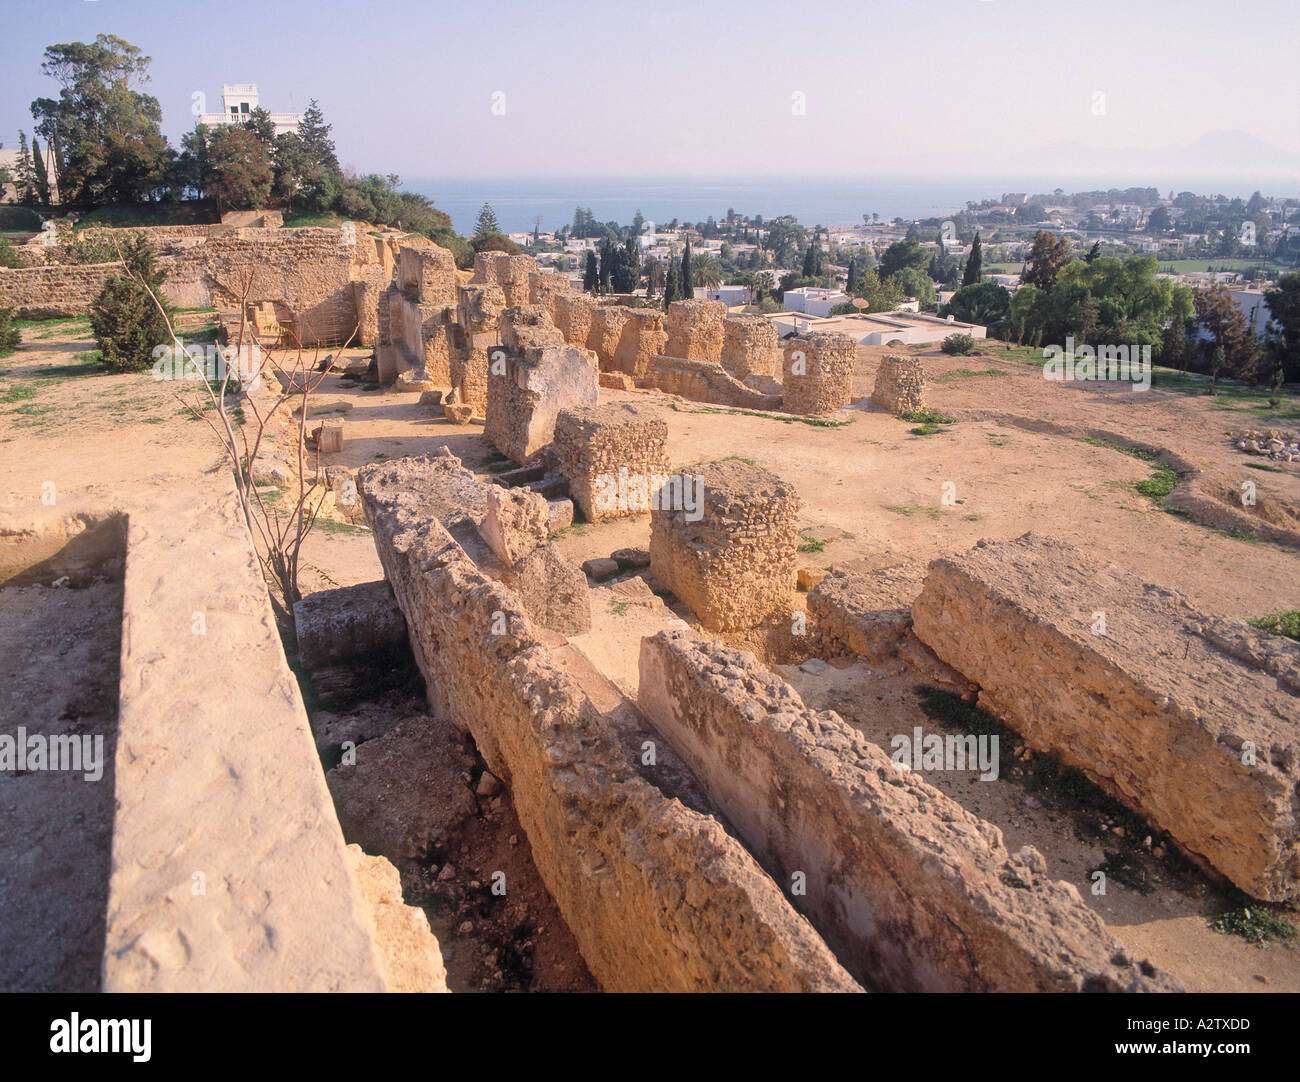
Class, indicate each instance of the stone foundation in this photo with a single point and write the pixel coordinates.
(734, 565)
(1160, 710)
(705, 382)
(658, 897)
(541, 376)
(819, 373)
(910, 890)
(750, 347)
(900, 384)
(611, 455)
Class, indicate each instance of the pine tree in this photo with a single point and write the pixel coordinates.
(684, 278)
(974, 263)
(315, 134)
(1093, 253)
(486, 225)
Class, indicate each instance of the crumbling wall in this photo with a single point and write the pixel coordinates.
(900, 384)
(731, 556)
(750, 347)
(611, 455)
(695, 330)
(510, 272)
(427, 274)
(544, 287)
(658, 897)
(1191, 720)
(705, 382)
(573, 314)
(641, 339)
(913, 892)
(54, 291)
(540, 376)
(607, 322)
(478, 314)
(306, 273)
(819, 373)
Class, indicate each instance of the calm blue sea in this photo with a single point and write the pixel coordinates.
(830, 201)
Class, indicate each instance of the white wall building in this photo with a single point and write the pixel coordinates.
(240, 99)
(812, 300)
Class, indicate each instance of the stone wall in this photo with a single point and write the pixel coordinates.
(641, 339)
(607, 322)
(900, 384)
(478, 314)
(750, 346)
(53, 291)
(658, 896)
(540, 376)
(510, 272)
(819, 373)
(611, 455)
(572, 314)
(1191, 720)
(730, 558)
(695, 330)
(545, 286)
(909, 889)
(306, 274)
(705, 382)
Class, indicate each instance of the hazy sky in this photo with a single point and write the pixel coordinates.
(954, 87)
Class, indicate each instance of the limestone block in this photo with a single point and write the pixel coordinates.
(515, 522)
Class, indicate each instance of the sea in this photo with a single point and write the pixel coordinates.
(830, 201)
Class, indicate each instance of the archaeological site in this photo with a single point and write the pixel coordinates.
(633, 651)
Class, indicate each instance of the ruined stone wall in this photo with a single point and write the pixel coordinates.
(306, 273)
(428, 274)
(641, 339)
(545, 286)
(572, 315)
(610, 452)
(705, 382)
(510, 272)
(658, 897)
(750, 346)
(909, 889)
(478, 314)
(695, 330)
(900, 384)
(1158, 709)
(53, 291)
(542, 376)
(819, 373)
(607, 322)
(734, 566)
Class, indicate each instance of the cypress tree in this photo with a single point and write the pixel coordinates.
(41, 174)
(973, 263)
(853, 277)
(590, 275)
(684, 282)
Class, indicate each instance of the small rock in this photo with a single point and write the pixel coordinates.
(600, 568)
(448, 872)
(465, 927)
(631, 557)
(458, 414)
(514, 839)
(488, 785)
(814, 665)
(431, 398)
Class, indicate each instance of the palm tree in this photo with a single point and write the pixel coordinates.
(705, 272)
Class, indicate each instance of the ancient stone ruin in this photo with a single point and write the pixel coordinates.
(723, 540)
(819, 373)
(614, 456)
(900, 384)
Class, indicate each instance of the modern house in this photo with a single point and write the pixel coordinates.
(240, 99)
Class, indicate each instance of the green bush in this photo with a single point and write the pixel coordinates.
(959, 345)
(128, 325)
(9, 255)
(9, 336)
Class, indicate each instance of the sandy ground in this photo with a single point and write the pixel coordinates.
(868, 489)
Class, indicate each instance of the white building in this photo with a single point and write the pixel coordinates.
(879, 328)
(240, 99)
(1255, 308)
(729, 295)
(812, 300)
